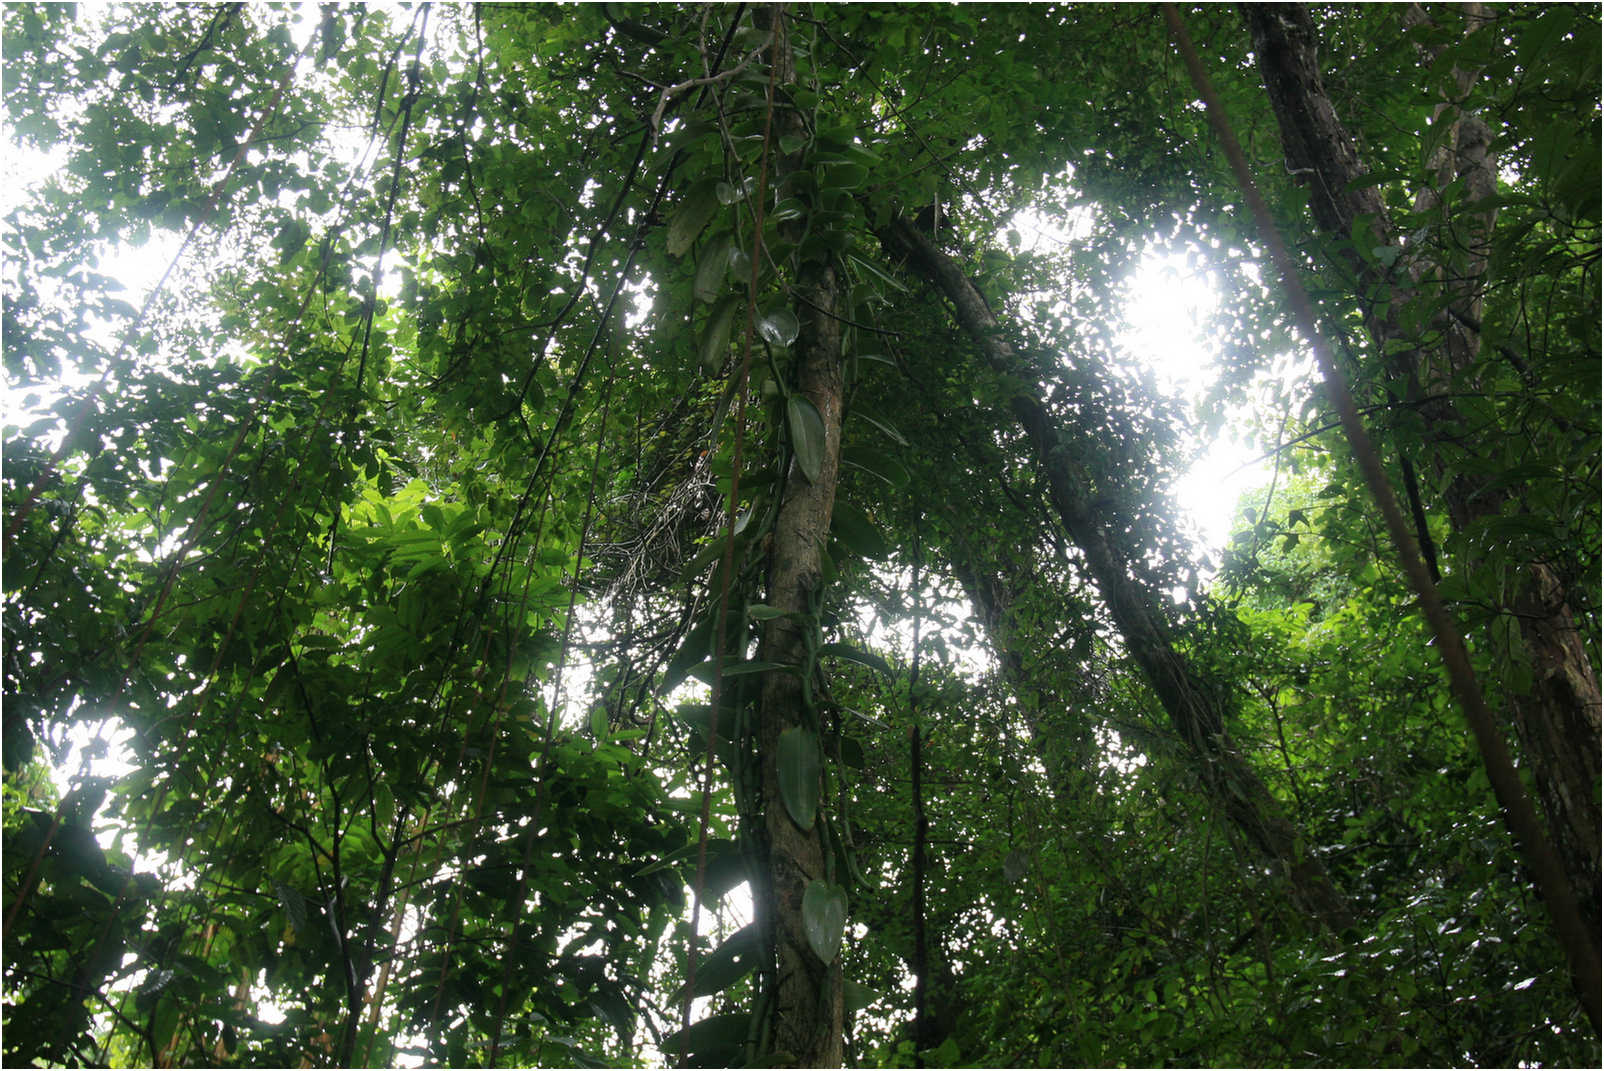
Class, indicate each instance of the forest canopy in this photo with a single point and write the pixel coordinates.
(606, 536)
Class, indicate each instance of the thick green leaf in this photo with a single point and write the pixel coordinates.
(875, 271)
(726, 869)
(855, 531)
(800, 765)
(845, 176)
(862, 658)
(699, 718)
(946, 1054)
(383, 804)
(824, 918)
(742, 669)
(615, 1009)
(877, 464)
(712, 268)
(779, 327)
(581, 1056)
(164, 1022)
(292, 237)
(727, 964)
(697, 647)
(293, 903)
(788, 209)
(715, 348)
(885, 427)
(700, 202)
(807, 435)
(1016, 864)
(729, 194)
(715, 1037)
(733, 668)
(857, 996)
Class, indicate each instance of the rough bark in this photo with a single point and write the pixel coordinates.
(1558, 722)
(1196, 708)
(807, 1015)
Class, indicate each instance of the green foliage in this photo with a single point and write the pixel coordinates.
(414, 534)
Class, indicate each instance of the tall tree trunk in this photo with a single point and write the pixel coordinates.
(806, 1028)
(1558, 722)
(1196, 707)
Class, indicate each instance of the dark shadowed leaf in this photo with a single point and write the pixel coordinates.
(715, 347)
(800, 766)
(728, 963)
(717, 1038)
(852, 654)
(712, 268)
(807, 435)
(700, 202)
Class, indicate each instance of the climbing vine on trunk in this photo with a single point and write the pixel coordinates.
(627, 534)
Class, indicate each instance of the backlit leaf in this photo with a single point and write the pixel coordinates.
(824, 918)
(779, 327)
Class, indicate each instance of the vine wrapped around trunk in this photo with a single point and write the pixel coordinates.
(807, 1010)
